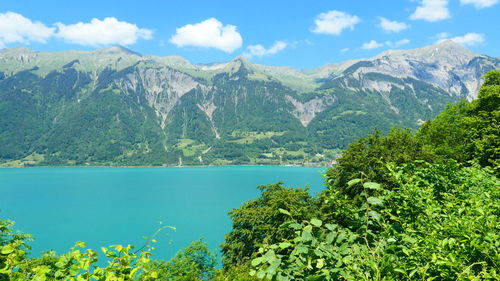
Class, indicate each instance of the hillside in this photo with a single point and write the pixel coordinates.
(116, 107)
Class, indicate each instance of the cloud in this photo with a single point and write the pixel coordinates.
(469, 39)
(398, 43)
(102, 32)
(260, 51)
(392, 26)
(334, 22)
(372, 45)
(479, 4)
(210, 33)
(15, 28)
(343, 50)
(432, 10)
(442, 35)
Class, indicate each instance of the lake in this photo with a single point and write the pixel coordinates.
(106, 206)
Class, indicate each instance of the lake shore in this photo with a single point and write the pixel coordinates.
(164, 166)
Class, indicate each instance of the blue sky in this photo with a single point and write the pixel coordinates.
(298, 33)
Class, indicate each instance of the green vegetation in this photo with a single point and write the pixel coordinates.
(112, 107)
(404, 206)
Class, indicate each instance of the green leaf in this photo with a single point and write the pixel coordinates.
(330, 237)
(316, 222)
(375, 215)
(308, 228)
(7, 249)
(371, 185)
(375, 201)
(330, 226)
(283, 211)
(257, 261)
(306, 236)
(320, 263)
(284, 245)
(353, 182)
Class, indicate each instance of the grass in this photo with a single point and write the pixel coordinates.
(28, 160)
(250, 137)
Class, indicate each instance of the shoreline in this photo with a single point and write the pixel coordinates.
(184, 166)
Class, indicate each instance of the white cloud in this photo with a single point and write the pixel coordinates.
(392, 26)
(260, 51)
(469, 39)
(432, 10)
(479, 4)
(372, 45)
(344, 50)
(442, 35)
(102, 32)
(334, 22)
(210, 33)
(401, 42)
(15, 28)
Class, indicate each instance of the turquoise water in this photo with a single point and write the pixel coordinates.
(106, 206)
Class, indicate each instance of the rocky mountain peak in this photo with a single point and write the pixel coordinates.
(17, 50)
(116, 50)
(240, 65)
(444, 52)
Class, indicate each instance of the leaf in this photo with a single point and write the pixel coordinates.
(375, 201)
(371, 185)
(306, 236)
(375, 215)
(410, 240)
(330, 237)
(308, 228)
(261, 274)
(320, 263)
(7, 249)
(284, 245)
(316, 222)
(330, 226)
(283, 211)
(134, 272)
(257, 261)
(353, 182)
(295, 226)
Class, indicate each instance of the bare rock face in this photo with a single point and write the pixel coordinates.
(446, 65)
(208, 107)
(306, 111)
(163, 87)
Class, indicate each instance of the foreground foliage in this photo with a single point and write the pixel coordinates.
(122, 263)
(440, 222)
(406, 206)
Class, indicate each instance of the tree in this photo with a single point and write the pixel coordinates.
(469, 131)
(256, 221)
(367, 157)
(195, 262)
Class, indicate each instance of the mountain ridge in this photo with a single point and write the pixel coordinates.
(116, 107)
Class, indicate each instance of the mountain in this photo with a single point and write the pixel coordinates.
(114, 106)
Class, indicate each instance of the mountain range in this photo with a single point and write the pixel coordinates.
(114, 106)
